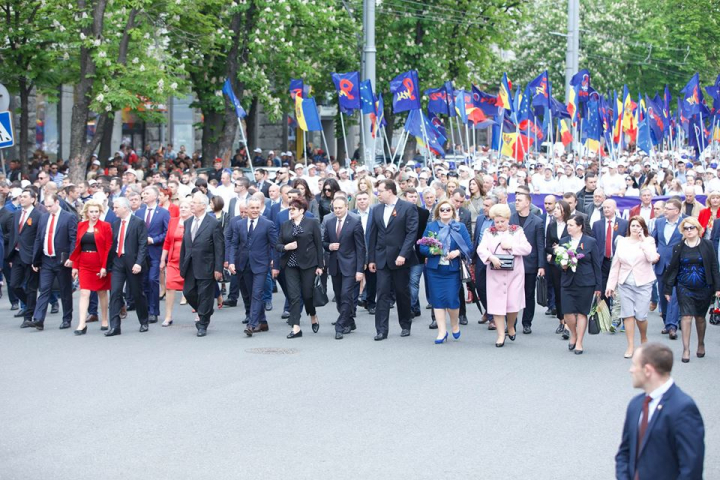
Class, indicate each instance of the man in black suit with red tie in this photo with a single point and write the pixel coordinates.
(127, 259)
(391, 254)
(345, 240)
(23, 279)
(201, 260)
(55, 239)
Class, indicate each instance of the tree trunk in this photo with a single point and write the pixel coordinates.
(24, 124)
(252, 126)
(212, 127)
(106, 145)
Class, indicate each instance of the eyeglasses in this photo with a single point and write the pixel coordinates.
(689, 227)
(445, 210)
(327, 190)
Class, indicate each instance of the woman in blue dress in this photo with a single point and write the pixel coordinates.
(443, 269)
(694, 271)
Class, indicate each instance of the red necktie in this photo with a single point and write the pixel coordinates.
(643, 423)
(121, 241)
(22, 221)
(338, 229)
(608, 240)
(50, 235)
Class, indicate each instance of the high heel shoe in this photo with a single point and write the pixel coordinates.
(316, 326)
(571, 346)
(167, 324)
(295, 335)
(456, 335)
(103, 328)
(499, 345)
(438, 341)
(512, 337)
(81, 332)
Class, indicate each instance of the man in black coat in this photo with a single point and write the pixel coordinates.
(54, 241)
(126, 261)
(345, 240)
(535, 262)
(201, 261)
(458, 198)
(393, 234)
(416, 271)
(21, 242)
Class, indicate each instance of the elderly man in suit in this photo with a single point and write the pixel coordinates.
(664, 434)
(23, 279)
(667, 234)
(534, 263)
(393, 233)
(156, 220)
(57, 230)
(345, 241)
(249, 252)
(605, 231)
(201, 260)
(127, 259)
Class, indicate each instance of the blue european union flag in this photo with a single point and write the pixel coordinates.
(367, 98)
(227, 90)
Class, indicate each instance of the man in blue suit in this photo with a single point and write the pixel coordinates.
(667, 235)
(156, 220)
(54, 241)
(482, 223)
(251, 246)
(664, 435)
(610, 226)
(534, 263)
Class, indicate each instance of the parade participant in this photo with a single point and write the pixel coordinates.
(170, 260)
(667, 235)
(555, 231)
(156, 222)
(709, 214)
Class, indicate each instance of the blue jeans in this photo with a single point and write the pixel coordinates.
(415, 274)
(671, 310)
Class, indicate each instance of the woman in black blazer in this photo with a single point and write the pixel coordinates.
(579, 287)
(556, 230)
(300, 242)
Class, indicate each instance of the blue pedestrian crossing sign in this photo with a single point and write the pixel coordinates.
(6, 132)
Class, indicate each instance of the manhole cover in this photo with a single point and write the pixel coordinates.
(273, 351)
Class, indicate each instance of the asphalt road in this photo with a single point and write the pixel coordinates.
(168, 405)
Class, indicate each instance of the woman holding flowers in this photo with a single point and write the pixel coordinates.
(632, 275)
(444, 243)
(505, 283)
(581, 278)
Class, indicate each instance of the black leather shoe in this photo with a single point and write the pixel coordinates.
(230, 303)
(315, 327)
(248, 331)
(371, 310)
(379, 337)
(416, 313)
(285, 315)
(673, 334)
(20, 313)
(433, 325)
(37, 324)
(81, 332)
(152, 319)
(428, 307)
(295, 335)
(27, 324)
(54, 308)
(463, 320)
(338, 336)
(347, 330)
(112, 332)
(246, 321)
(527, 330)
(551, 312)
(353, 327)
(571, 346)
(201, 332)
(405, 332)
(144, 327)
(15, 306)
(268, 306)
(665, 331)
(64, 325)
(565, 334)
(578, 352)
(105, 328)
(362, 303)
(560, 329)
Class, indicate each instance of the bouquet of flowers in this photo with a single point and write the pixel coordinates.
(567, 257)
(432, 242)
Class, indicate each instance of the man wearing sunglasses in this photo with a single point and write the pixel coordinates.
(667, 235)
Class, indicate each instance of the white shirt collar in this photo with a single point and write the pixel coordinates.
(661, 390)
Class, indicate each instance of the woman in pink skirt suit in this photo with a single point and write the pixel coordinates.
(505, 288)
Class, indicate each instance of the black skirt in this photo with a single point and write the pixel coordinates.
(576, 300)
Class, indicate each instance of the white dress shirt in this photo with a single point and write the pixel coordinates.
(54, 232)
(656, 396)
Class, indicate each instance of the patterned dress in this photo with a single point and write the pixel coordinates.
(694, 293)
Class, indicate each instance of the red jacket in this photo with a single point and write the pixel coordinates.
(636, 211)
(103, 240)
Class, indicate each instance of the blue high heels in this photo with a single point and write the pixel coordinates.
(456, 335)
(441, 340)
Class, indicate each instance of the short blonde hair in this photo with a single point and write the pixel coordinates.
(690, 221)
(500, 210)
(89, 204)
(711, 194)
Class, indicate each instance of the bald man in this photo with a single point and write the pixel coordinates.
(606, 231)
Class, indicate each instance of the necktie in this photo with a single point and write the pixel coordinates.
(608, 240)
(252, 228)
(643, 422)
(22, 221)
(50, 235)
(148, 217)
(338, 229)
(121, 240)
(194, 229)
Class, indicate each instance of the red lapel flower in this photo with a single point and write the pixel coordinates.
(582, 246)
(615, 228)
(394, 213)
(29, 222)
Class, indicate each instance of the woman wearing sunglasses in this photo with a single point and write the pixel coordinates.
(631, 188)
(694, 271)
(443, 270)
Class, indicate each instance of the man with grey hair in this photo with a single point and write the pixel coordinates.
(201, 260)
(126, 261)
(156, 220)
(605, 232)
(691, 207)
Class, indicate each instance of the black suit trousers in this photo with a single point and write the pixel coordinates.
(605, 270)
(200, 295)
(122, 276)
(481, 283)
(50, 270)
(24, 282)
(344, 289)
(389, 281)
(554, 272)
(299, 283)
(255, 284)
(529, 311)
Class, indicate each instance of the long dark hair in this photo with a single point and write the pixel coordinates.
(334, 187)
(308, 193)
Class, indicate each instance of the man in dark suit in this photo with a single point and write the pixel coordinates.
(249, 253)
(201, 260)
(416, 271)
(392, 240)
(127, 259)
(345, 240)
(534, 263)
(666, 235)
(664, 435)
(363, 211)
(572, 200)
(605, 232)
(549, 202)
(23, 279)
(262, 184)
(482, 223)
(464, 216)
(156, 221)
(57, 230)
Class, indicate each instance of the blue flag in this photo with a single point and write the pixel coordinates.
(405, 89)
(540, 91)
(437, 100)
(450, 98)
(227, 90)
(435, 139)
(347, 86)
(489, 104)
(367, 98)
(580, 82)
(437, 123)
(693, 97)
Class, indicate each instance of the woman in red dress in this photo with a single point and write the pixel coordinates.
(89, 261)
(164, 201)
(170, 260)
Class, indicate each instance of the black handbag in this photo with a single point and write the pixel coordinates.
(593, 321)
(320, 298)
(541, 291)
(507, 261)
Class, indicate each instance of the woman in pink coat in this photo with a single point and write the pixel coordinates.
(506, 288)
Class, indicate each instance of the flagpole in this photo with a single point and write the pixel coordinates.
(461, 138)
(452, 132)
(244, 139)
(305, 147)
(400, 142)
(347, 152)
(362, 131)
(467, 139)
(387, 143)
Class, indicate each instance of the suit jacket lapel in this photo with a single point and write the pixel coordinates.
(392, 215)
(656, 414)
(202, 226)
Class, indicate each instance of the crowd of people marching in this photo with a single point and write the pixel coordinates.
(145, 227)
